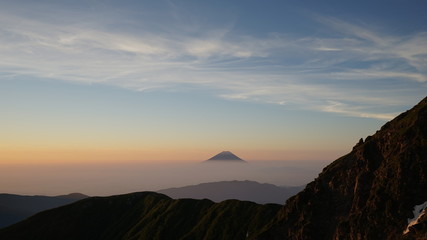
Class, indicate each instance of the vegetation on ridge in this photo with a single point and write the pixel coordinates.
(145, 215)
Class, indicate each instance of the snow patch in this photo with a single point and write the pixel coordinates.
(419, 211)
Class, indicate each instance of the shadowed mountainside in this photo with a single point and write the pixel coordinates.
(15, 208)
(240, 190)
(369, 193)
(145, 215)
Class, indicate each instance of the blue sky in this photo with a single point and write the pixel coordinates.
(271, 79)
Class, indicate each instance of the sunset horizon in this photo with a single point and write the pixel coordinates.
(168, 82)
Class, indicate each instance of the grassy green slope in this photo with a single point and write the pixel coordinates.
(145, 215)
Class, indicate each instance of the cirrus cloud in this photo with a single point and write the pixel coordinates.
(345, 74)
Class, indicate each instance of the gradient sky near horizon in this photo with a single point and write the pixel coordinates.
(96, 81)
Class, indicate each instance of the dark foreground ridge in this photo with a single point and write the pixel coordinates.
(369, 193)
(145, 215)
(225, 156)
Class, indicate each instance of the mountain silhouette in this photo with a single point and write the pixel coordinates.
(225, 156)
(15, 208)
(373, 192)
(377, 191)
(145, 215)
(240, 190)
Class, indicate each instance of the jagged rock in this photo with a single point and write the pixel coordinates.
(369, 193)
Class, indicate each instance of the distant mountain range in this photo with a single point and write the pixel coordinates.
(240, 190)
(15, 208)
(377, 191)
(145, 215)
(225, 156)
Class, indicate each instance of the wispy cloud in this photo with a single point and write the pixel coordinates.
(354, 111)
(319, 73)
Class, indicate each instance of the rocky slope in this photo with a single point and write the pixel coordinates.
(145, 215)
(369, 193)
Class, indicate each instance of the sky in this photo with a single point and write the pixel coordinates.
(159, 81)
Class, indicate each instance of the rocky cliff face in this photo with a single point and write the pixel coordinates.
(369, 193)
